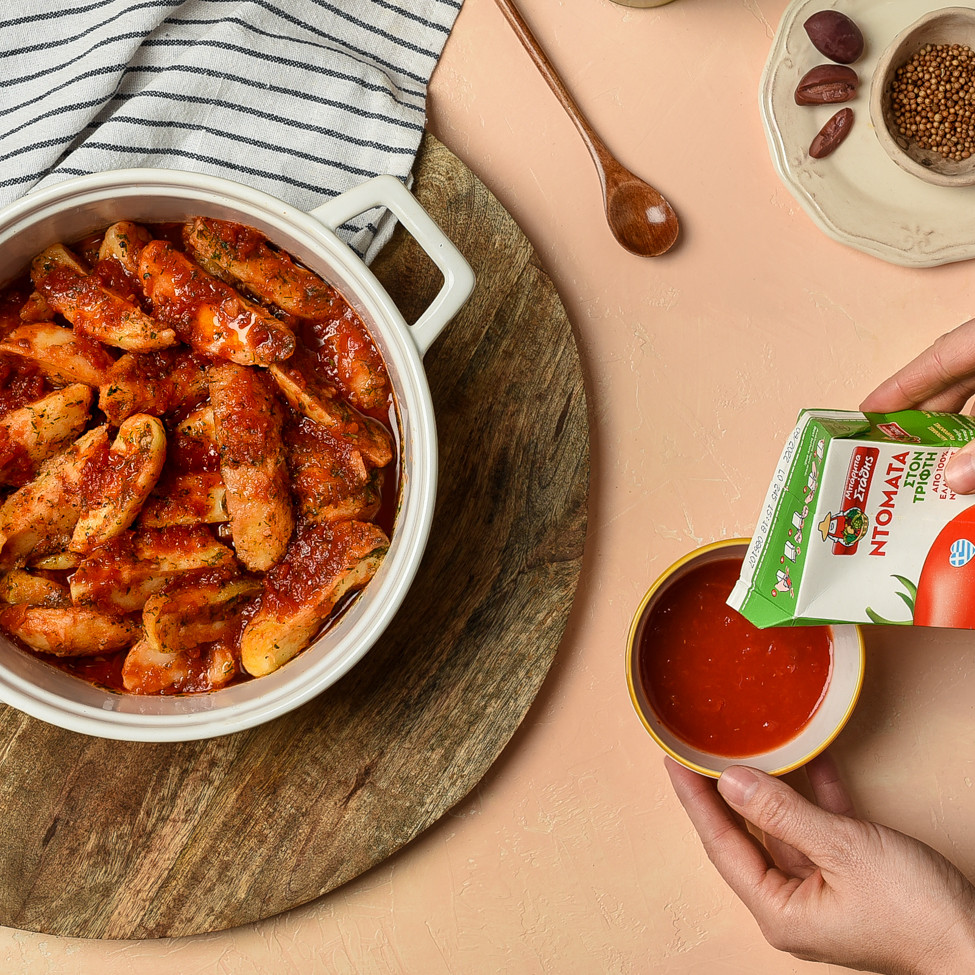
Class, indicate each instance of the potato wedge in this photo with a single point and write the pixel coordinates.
(56, 562)
(137, 383)
(63, 355)
(248, 421)
(199, 425)
(193, 445)
(54, 257)
(36, 309)
(323, 564)
(241, 255)
(149, 671)
(183, 617)
(187, 499)
(324, 488)
(156, 383)
(122, 574)
(39, 518)
(19, 586)
(132, 468)
(209, 314)
(344, 422)
(123, 242)
(39, 430)
(71, 631)
(70, 290)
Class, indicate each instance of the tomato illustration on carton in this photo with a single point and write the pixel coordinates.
(946, 588)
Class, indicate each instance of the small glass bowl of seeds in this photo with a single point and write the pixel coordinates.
(922, 97)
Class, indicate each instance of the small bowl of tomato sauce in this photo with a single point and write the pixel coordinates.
(713, 690)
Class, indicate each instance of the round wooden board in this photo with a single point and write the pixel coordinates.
(105, 839)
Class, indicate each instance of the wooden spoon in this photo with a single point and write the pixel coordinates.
(640, 218)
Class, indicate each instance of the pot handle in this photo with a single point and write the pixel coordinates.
(388, 191)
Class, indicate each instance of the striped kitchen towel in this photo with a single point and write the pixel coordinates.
(300, 98)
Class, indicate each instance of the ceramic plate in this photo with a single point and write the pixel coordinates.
(858, 195)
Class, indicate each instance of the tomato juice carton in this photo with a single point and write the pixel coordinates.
(859, 526)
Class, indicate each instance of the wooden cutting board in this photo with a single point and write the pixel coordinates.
(104, 839)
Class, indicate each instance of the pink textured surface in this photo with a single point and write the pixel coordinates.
(573, 854)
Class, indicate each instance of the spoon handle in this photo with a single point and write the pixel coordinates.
(595, 145)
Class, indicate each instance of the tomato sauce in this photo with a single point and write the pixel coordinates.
(721, 684)
(11, 302)
(104, 670)
(348, 359)
(110, 274)
(20, 383)
(344, 364)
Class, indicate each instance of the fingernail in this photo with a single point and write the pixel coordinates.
(737, 784)
(960, 473)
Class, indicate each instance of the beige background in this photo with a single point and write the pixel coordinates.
(573, 855)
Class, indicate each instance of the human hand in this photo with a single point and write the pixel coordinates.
(941, 378)
(826, 886)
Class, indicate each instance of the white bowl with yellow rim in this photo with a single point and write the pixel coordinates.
(828, 720)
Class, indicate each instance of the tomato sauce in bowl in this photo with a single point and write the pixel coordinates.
(713, 690)
(718, 682)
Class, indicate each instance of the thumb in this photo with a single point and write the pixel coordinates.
(960, 472)
(779, 811)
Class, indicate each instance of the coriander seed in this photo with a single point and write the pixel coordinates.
(932, 100)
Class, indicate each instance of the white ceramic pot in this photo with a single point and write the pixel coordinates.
(70, 210)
